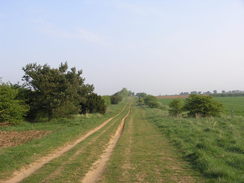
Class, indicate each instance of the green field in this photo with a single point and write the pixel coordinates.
(232, 105)
(214, 146)
(152, 148)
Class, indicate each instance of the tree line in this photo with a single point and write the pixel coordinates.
(48, 93)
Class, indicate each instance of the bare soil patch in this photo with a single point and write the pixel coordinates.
(14, 138)
(5, 124)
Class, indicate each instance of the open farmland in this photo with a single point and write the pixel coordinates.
(214, 146)
(232, 105)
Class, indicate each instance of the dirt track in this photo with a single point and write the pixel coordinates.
(98, 167)
(30, 169)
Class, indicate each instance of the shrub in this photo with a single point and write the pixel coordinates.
(151, 101)
(93, 104)
(176, 107)
(11, 109)
(200, 105)
(115, 99)
(107, 100)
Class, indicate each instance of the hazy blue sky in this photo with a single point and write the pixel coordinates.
(155, 46)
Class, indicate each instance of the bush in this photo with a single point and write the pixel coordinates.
(93, 104)
(116, 99)
(204, 106)
(151, 101)
(176, 107)
(11, 109)
(107, 100)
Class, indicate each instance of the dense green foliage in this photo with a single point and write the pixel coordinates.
(148, 100)
(124, 93)
(201, 105)
(214, 146)
(49, 93)
(118, 97)
(176, 107)
(107, 100)
(93, 104)
(12, 109)
(151, 101)
(54, 92)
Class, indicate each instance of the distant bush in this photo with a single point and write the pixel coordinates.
(203, 106)
(11, 109)
(116, 99)
(151, 101)
(107, 100)
(176, 107)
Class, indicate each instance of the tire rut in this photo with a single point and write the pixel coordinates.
(33, 167)
(98, 167)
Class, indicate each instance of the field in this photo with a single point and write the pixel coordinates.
(214, 146)
(129, 143)
(232, 105)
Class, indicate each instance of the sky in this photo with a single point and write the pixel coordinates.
(157, 46)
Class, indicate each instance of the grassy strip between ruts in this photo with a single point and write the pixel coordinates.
(62, 131)
(72, 166)
(214, 146)
(144, 155)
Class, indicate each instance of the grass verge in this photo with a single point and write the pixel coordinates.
(213, 146)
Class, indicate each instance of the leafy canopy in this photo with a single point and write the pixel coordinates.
(202, 105)
(11, 108)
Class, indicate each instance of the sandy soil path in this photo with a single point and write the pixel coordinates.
(98, 167)
(31, 168)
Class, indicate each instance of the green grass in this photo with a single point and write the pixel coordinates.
(232, 105)
(72, 165)
(143, 154)
(62, 131)
(165, 101)
(213, 146)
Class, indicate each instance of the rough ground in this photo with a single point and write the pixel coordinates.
(14, 138)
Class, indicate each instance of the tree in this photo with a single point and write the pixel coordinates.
(176, 107)
(54, 92)
(11, 108)
(200, 105)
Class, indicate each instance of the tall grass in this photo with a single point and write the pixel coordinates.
(214, 146)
